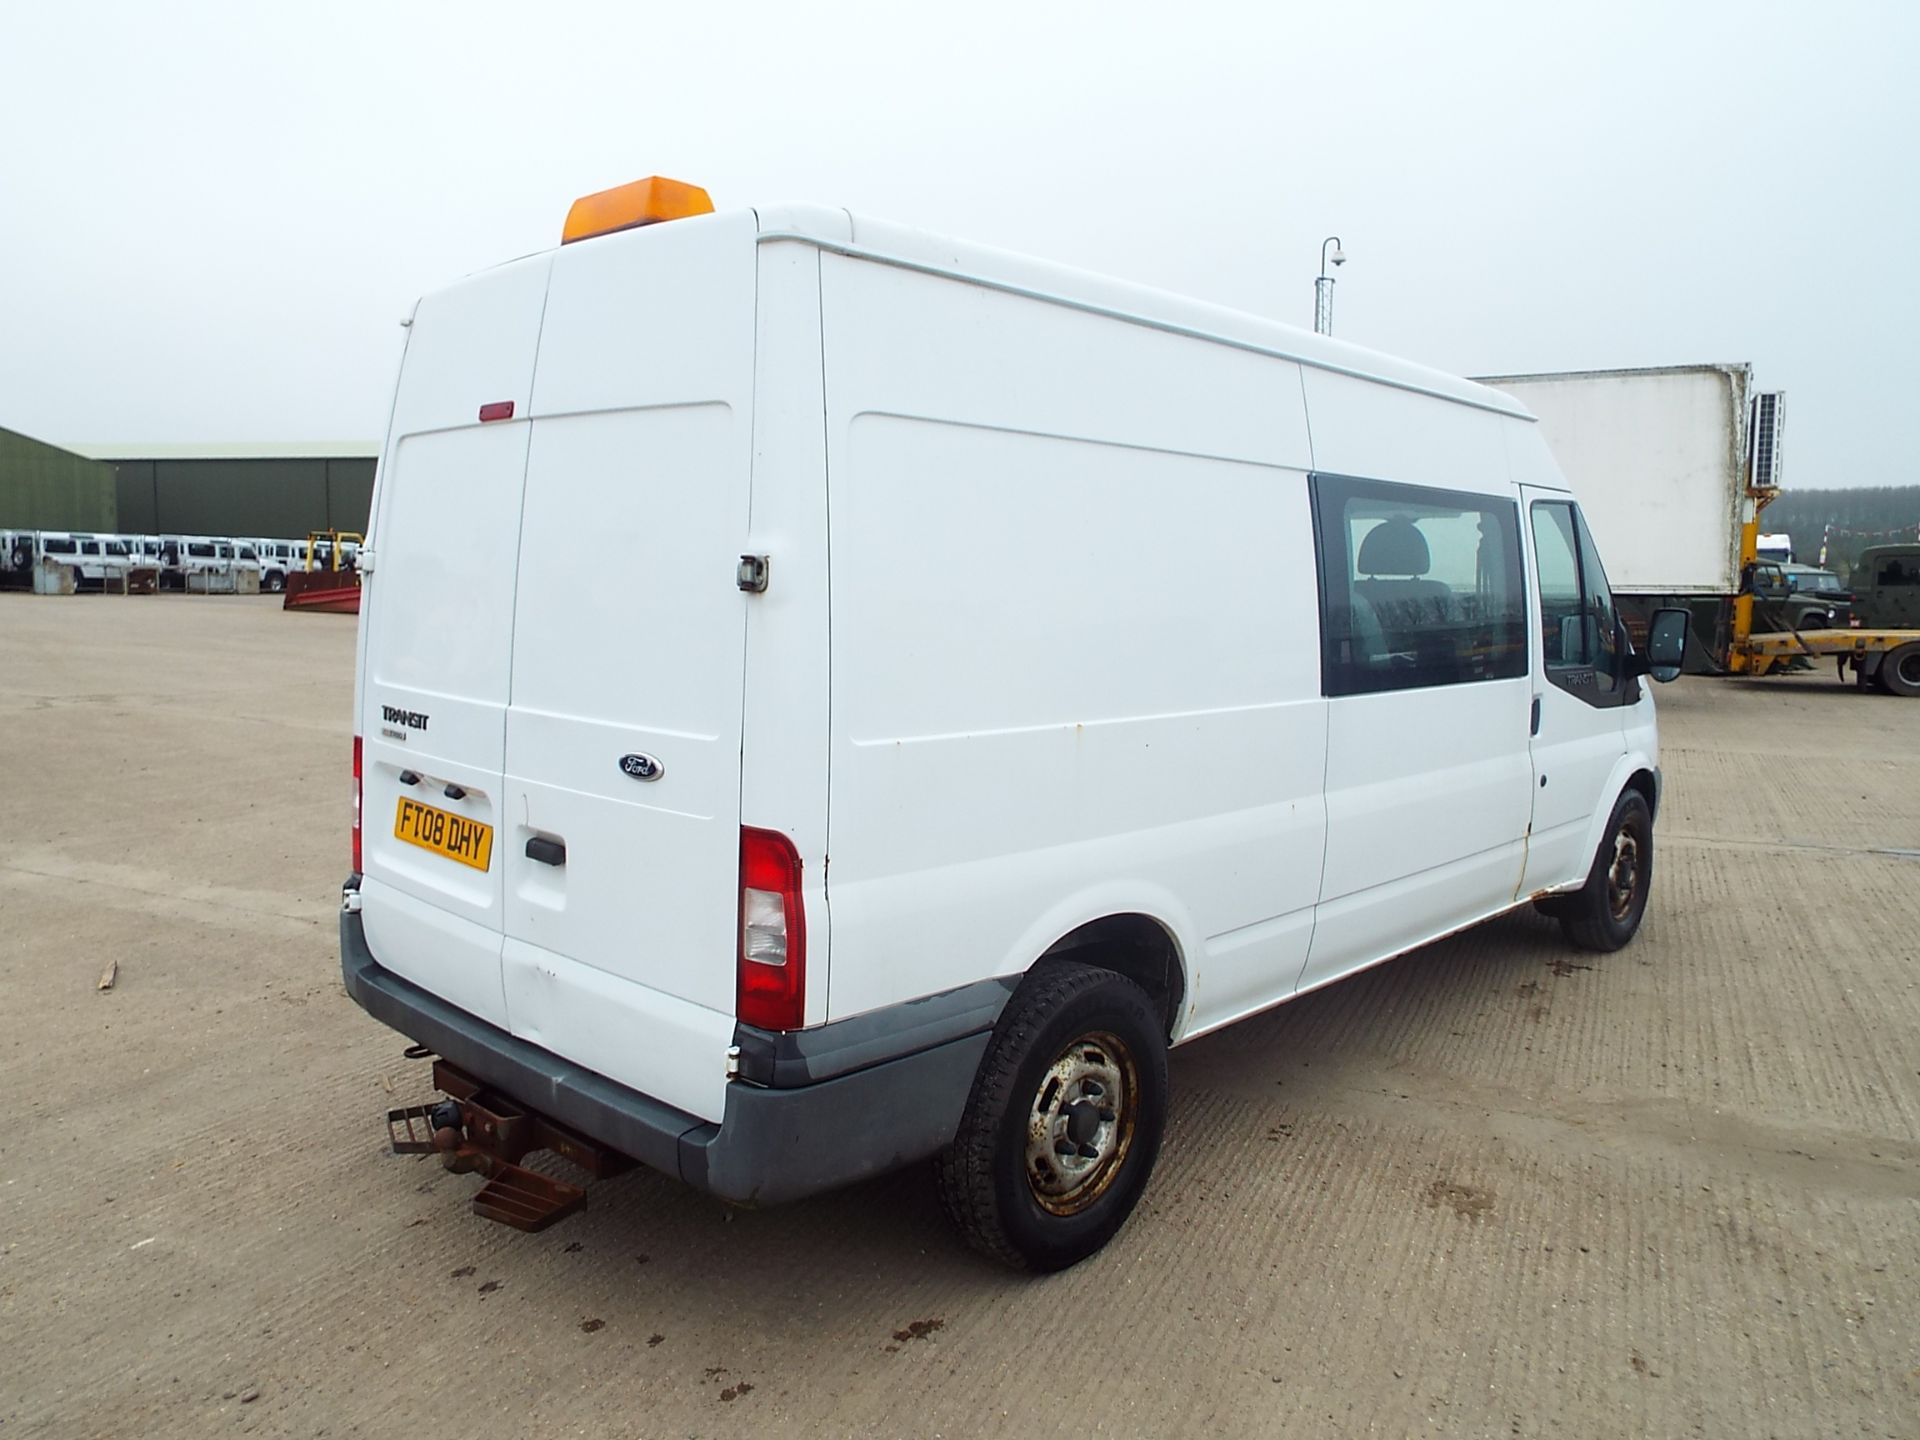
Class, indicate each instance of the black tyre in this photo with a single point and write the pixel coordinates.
(1064, 1122)
(1604, 913)
(276, 582)
(1899, 672)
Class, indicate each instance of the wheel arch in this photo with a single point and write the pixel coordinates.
(1145, 938)
(1647, 781)
(1633, 771)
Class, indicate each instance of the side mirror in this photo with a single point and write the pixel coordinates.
(1667, 643)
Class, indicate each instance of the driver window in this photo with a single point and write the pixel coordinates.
(1578, 627)
(1556, 552)
(1603, 626)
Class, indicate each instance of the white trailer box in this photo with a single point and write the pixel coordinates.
(1658, 458)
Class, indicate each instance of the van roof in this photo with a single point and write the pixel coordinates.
(887, 243)
(843, 232)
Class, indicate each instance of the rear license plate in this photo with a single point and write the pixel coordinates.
(454, 836)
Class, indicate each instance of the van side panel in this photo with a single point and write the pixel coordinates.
(783, 780)
(437, 625)
(628, 637)
(1075, 660)
(1428, 790)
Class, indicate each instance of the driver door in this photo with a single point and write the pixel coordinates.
(1580, 689)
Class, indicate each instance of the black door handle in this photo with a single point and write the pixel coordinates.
(547, 852)
(1535, 730)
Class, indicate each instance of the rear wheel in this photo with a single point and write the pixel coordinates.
(276, 582)
(1899, 672)
(1064, 1122)
(1605, 912)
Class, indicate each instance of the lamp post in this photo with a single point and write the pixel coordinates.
(1323, 287)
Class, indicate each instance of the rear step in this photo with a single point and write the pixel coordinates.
(480, 1131)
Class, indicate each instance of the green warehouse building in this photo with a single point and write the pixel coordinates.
(279, 490)
(43, 487)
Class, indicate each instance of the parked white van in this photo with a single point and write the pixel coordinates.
(278, 559)
(16, 551)
(1020, 673)
(92, 559)
(150, 552)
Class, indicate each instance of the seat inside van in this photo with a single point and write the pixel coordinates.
(1393, 561)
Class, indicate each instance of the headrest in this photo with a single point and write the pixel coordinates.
(1394, 547)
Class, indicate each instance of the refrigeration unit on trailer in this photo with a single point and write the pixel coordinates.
(1017, 673)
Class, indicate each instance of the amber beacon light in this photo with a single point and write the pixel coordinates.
(644, 202)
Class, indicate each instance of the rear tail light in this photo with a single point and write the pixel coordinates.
(773, 933)
(356, 804)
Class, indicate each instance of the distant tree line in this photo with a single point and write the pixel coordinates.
(1849, 519)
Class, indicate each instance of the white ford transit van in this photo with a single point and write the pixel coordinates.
(1018, 673)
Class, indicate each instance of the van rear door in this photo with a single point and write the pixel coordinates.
(438, 618)
(620, 846)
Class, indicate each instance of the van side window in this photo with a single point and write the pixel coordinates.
(1894, 572)
(61, 547)
(1579, 633)
(1417, 586)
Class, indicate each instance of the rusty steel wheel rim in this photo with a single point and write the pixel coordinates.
(1623, 875)
(1081, 1123)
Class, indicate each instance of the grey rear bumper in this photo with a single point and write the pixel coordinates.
(840, 1103)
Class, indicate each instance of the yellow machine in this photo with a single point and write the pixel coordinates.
(330, 581)
(336, 542)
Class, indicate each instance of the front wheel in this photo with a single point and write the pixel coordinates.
(1605, 912)
(1064, 1122)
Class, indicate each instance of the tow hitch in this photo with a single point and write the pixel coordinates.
(478, 1131)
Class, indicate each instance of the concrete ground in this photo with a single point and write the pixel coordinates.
(1498, 1187)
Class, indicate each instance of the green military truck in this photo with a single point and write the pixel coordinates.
(1886, 587)
(1799, 597)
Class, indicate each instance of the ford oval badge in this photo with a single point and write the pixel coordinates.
(642, 767)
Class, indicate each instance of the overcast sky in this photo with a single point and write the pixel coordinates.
(213, 216)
